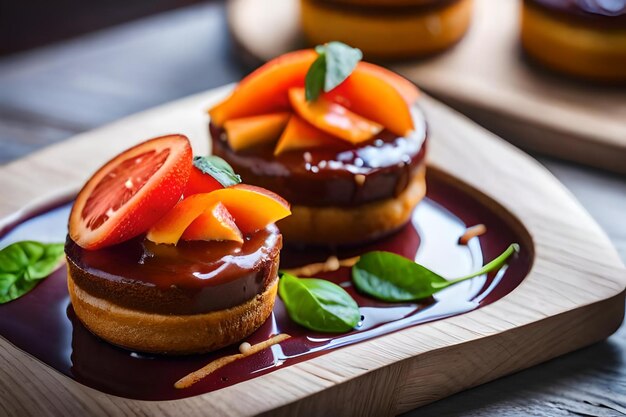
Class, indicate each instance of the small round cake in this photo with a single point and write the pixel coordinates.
(349, 158)
(190, 298)
(580, 38)
(388, 29)
(169, 253)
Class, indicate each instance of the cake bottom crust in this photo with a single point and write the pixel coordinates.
(171, 334)
(360, 224)
(574, 49)
(389, 35)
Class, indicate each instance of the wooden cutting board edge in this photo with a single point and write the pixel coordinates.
(573, 296)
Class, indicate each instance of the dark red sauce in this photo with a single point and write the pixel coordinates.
(43, 323)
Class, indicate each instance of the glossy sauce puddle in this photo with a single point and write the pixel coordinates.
(43, 323)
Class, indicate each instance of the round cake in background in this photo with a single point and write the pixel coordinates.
(582, 38)
(388, 29)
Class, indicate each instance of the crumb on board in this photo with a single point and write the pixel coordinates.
(331, 264)
(472, 232)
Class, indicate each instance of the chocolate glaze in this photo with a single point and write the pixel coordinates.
(326, 177)
(189, 278)
(43, 324)
(600, 13)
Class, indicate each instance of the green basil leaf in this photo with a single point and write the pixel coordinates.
(391, 277)
(341, 60)
(24, 264)
(314, 79)
(218, 169)
(318, 304)
(335, 63)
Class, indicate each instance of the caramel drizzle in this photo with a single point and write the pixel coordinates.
(472, 232)
(196, 376)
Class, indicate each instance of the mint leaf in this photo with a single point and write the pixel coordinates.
(335, 63)
(314, 80)
(24, 264)
(218, 169)
(391, 277)
(318, 304)
(341, 60)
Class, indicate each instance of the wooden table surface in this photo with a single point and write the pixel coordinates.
(50, 94)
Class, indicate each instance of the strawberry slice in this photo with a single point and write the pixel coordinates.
(131, 192)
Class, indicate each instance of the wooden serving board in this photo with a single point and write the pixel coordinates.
(485, 77)
(572, 296)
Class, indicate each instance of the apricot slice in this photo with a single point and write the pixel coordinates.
(406, 88)
(253, 208)
(265, 89)
(333, 118)
(301, 135)
(247, 132)
(367, 93)
(216, 223)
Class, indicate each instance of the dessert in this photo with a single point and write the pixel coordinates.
(170, 255)
(387, 29)
(579, 38)
(350, 162)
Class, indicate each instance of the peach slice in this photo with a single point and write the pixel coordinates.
(367, 93)
(265, 89)
(301, 135)
(406, 88)
(333, 118)
(247, 132)
(216, 223)
(253, 208)
(200, 183)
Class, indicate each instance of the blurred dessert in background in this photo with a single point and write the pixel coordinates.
(583, 38)
(387, 29)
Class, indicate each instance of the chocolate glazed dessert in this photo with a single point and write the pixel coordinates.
(339, 196)
(189, 298)
(582, 38)
(166, 257)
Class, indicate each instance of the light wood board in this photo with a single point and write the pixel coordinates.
(573, 295)
(485, 77)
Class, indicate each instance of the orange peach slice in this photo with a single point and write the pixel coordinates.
(253, 208)
(333, 118)
(372, 96)
(247, 132)
(301, 135)
(216, 223)
(265, 89)
(406, 88)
